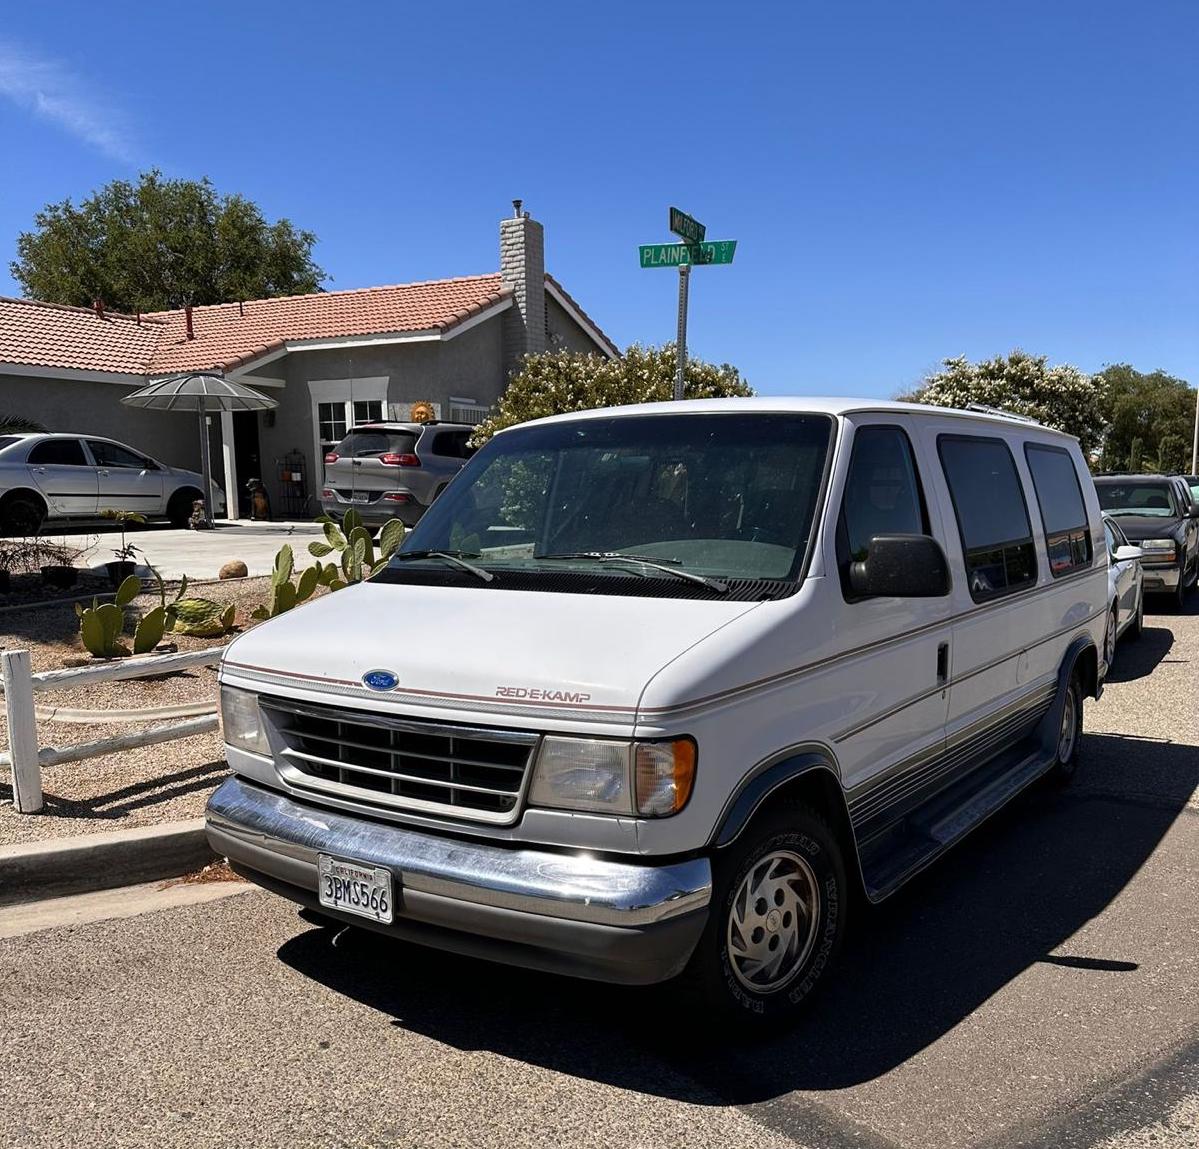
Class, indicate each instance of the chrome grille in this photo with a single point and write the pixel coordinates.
(467, 772)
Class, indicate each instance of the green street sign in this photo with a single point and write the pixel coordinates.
(674, 254)
(686, 226)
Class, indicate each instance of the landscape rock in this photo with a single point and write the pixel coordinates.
(234, 569)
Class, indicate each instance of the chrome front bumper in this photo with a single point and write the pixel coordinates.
(610, 920)
(1160, 577)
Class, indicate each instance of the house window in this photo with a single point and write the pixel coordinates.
(367, 411)
(331, 419)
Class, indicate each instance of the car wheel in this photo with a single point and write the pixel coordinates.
(22, 515)
(778, 917)
(1069, 734)
(1109, 639)
(1137, 627)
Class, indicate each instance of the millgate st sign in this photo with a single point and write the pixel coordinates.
(694, 251)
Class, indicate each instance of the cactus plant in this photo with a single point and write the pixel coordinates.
(200, 617)
(284, 593)
(101, 627)
(353, 543)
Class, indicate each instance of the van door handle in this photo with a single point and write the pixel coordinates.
(943, 662)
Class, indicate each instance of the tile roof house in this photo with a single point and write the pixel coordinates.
(331, 359)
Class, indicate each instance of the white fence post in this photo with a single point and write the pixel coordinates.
(15, 671)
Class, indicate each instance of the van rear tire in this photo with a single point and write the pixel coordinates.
(776, 923)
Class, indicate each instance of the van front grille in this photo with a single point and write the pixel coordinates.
(474, 773)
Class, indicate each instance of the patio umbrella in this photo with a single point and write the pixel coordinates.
(202, 392)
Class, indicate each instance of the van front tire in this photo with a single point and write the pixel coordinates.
(1069, 735)
(778, 919)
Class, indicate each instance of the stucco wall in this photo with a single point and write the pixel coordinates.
(564, 333)
(468, 366)
(96, 409)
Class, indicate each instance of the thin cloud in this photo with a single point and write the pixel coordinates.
(52, 92)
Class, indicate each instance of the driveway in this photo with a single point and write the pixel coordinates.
(197, 554)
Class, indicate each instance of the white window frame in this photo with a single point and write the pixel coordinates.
(347, 391)
(472, 406)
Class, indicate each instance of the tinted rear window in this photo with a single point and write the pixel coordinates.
(58, 452)
(8, 441)
(365, 442)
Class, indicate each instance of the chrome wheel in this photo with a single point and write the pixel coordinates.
(1069, 731)
(772, 921)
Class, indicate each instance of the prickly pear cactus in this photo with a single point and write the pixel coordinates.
(200, 617)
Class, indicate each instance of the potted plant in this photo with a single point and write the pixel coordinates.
(125, 556)
(56, 561)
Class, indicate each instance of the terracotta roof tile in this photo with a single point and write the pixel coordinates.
(228, 334)
(75, 338)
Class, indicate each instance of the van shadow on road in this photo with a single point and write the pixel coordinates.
(916, 966)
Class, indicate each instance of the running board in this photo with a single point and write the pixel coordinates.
(894, 853)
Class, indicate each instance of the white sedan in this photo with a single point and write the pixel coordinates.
(46, 478)
(1125, 588)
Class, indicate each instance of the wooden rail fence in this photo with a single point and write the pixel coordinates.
(26, 758)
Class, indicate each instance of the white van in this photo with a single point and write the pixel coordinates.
(658, 690)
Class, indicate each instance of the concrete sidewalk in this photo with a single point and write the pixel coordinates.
(198, 554)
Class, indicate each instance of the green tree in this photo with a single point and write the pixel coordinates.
(1061, 396)
(1149, 419)
(557, 382)
(162, 243)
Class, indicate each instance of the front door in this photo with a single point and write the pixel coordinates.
(64, 474)
(127, 481)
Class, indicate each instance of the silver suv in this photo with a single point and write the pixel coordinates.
(393, 470)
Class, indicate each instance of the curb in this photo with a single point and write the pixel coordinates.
(61, 866)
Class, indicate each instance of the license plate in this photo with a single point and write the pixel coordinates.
(355, 889)
(360, 498)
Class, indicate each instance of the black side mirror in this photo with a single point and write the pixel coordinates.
(1193, 513)
(901, 566)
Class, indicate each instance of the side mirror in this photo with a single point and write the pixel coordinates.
(1193, 513)
(901, 566)
(1127, 554)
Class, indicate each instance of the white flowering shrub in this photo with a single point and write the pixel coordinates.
(557, 382)
(1061, 396)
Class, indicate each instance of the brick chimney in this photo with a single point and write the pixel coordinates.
(522, 268)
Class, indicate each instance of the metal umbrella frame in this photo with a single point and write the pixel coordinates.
(202, 392)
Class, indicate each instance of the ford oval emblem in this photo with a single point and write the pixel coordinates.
(380, 680)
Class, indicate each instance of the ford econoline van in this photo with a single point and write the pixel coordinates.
(662, 691)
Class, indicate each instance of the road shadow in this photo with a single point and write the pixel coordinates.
(1136, 658)
(915, 966)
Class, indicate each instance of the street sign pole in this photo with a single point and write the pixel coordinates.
(681, 365)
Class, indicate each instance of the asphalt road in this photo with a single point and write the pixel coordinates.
(1039, 988)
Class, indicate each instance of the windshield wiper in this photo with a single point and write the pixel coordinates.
(668, 566)
(458, 558)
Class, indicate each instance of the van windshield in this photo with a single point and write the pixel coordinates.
(722, 496)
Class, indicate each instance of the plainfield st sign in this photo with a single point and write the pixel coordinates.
(695, 251)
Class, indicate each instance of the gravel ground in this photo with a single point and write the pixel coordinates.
(136, 787)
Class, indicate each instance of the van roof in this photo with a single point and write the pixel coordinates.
(815, 404)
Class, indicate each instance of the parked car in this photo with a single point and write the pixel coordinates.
(1192, 481)
(1157, 514)
(393, 470)
(1125, 589)
(667, 685)
(50, 478)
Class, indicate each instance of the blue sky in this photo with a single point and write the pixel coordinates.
(906, 181)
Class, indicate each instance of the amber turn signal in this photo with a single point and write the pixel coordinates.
(664, 773)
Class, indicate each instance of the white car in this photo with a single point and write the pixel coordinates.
(49, 478)
(655, 691)
(1126, 589)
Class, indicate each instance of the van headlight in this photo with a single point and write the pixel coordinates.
(605, 776)
(241, 721)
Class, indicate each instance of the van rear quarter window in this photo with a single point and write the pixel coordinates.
(1067, 531)
(992, 516)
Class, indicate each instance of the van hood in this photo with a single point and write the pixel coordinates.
(516, 653)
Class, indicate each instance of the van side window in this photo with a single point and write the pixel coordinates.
(1067, 532)
(992, 516)
(882, 495)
